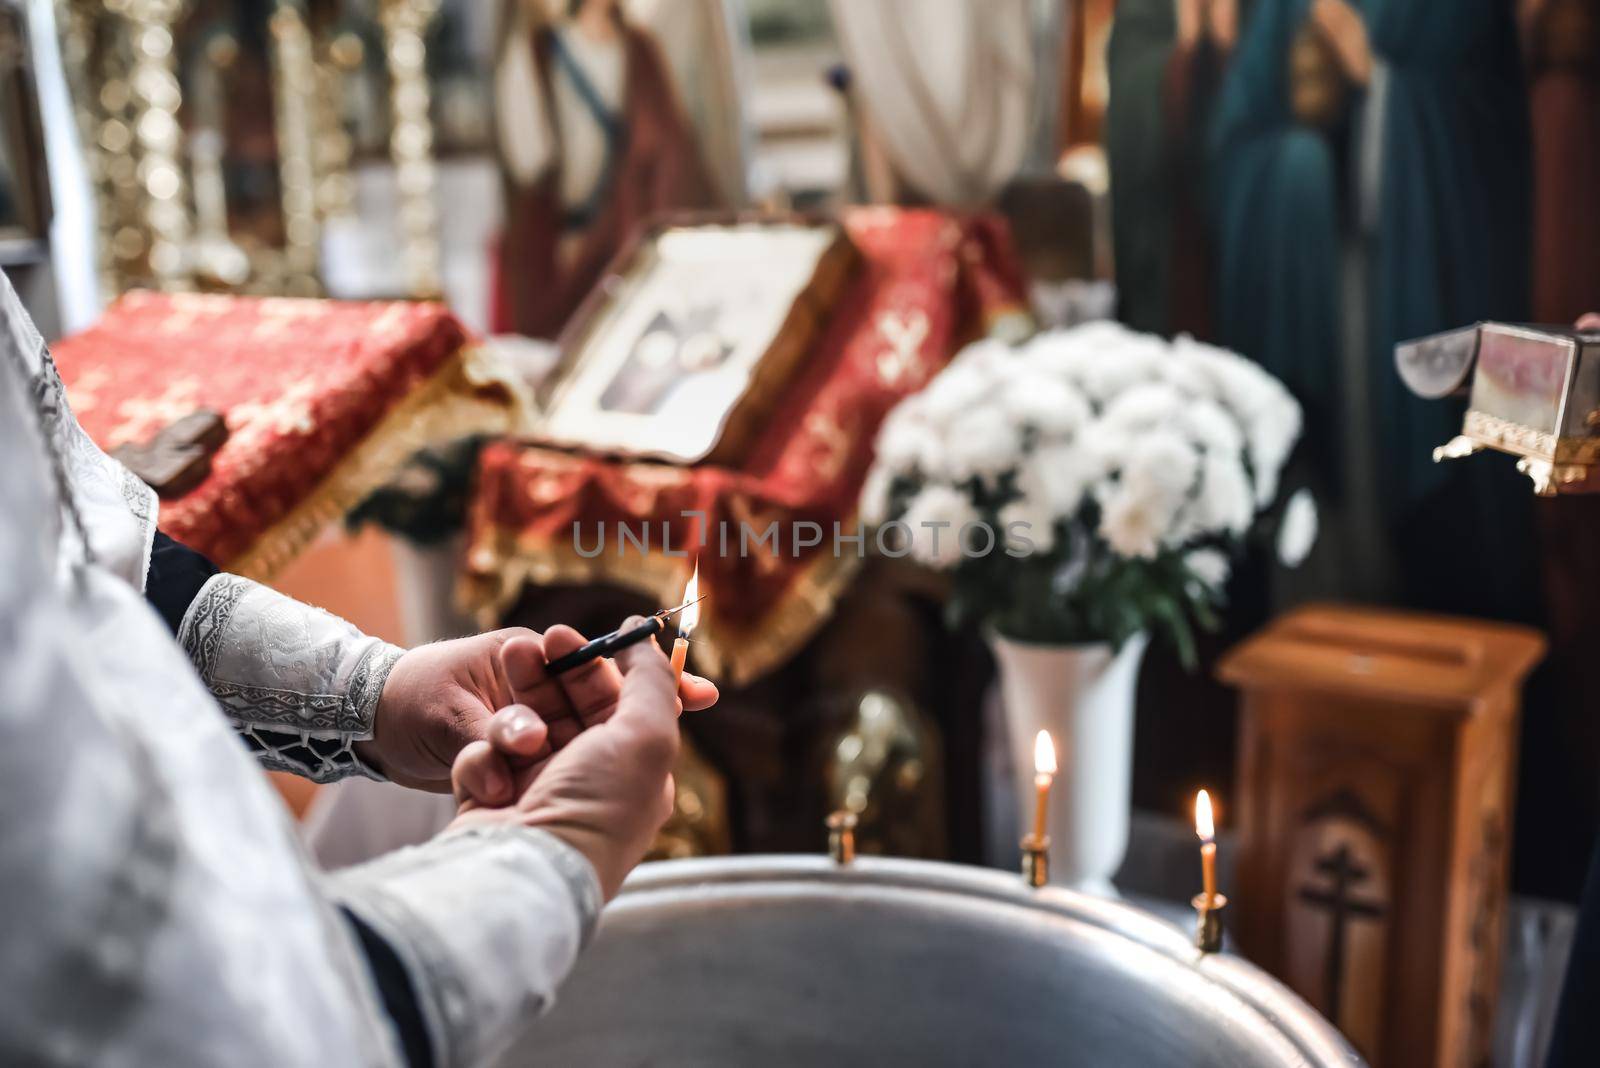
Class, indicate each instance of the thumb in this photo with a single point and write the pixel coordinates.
(518, 731)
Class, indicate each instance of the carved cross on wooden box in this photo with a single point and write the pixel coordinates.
(1377, 752)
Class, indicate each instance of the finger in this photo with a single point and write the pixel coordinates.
(591, 689)
(480, 776)
(1589, 321)
(522, 659)
(696, 693)
(647, 711)
(518, 732)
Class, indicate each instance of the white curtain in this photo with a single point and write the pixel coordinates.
(707, 50)
(948, 86)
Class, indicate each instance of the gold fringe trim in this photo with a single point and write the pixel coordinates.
(497, 574)
(456, 402)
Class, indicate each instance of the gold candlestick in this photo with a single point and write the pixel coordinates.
(1035, 860)
(842, 836)
(1208, 921)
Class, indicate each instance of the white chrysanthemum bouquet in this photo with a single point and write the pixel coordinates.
(1085, 486)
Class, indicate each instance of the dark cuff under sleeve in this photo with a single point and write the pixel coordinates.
(395, 990)
(176, 574)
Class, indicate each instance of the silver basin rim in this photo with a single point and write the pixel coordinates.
(1285, 1012)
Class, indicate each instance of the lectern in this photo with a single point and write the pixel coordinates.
(1377, 756)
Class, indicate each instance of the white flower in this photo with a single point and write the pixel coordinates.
(1058, 476)
(1210, 566)
(1097, 336)
(1143, 406)
(1132, 523)
(1225, 502)
(990, 353)
(1162, 464)
(1299, 529)
(1101, 358)
(1028, 518)
(1114, 372)
(1210, 426)
(907, 444)
(936, 515)
(1045, 403)
(957, 390)
(1065, 363)
(1272, 436)
(1179, 444)
(874, 506)
(1103, 449)
(970, 380)
(1187, 377)
(1243, 385)
(982, 443)
(1269, 413)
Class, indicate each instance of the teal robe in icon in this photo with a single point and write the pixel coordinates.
(1333, 246)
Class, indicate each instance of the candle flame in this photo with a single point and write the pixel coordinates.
(1203, 825)
(1044, 754)
(689, 618)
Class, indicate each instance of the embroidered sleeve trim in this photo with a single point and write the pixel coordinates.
(310, 729)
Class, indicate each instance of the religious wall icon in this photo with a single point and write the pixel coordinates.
(674, 351)
(678, 354)
(593, 141)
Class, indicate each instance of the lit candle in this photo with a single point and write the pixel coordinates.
(687, 620)
(1206, 829)
(1044, 770)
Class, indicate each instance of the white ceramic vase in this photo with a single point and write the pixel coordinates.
(1084, 696)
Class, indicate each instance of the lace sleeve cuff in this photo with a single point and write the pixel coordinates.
(300, 685)
(487, 923)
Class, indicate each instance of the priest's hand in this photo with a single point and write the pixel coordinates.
(440, 699)
(608, 791)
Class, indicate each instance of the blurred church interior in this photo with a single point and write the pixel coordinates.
(470, 283)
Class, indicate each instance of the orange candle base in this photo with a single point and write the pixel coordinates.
(680, 653)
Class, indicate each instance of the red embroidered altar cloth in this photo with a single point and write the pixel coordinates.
(928, 283)
(324, 401)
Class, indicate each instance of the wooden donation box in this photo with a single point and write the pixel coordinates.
(1377, 758)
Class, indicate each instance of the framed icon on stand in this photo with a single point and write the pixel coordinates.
(681, 349)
